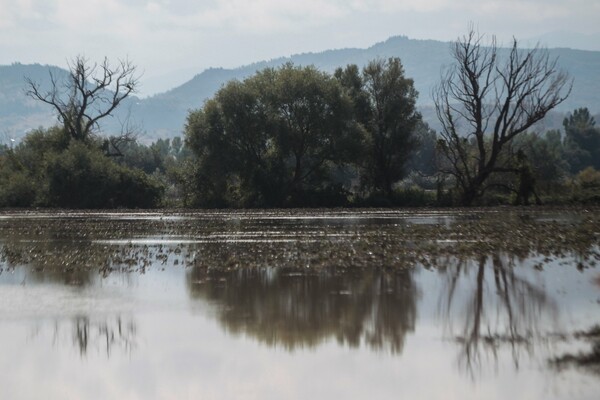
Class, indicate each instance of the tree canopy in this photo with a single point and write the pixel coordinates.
(582, 139)
(299, 137)
(274, 139)
(385, 104)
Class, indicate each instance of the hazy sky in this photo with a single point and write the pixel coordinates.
(179, 37)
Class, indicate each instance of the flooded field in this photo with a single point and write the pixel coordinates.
(380, 304)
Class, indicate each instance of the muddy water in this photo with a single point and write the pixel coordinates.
(290, 304)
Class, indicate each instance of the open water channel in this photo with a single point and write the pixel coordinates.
(320, 304)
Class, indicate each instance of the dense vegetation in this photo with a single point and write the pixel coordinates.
(297, 136)
(300, 137)
(50, 169)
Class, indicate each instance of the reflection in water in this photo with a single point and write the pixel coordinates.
(68, 276)
(293, 280)
(109, 334)
(587, 359)
(497, 305)
(87, 334)
(294, 308)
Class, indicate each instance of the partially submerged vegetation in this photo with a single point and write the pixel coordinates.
(294, 239)
(355, 265)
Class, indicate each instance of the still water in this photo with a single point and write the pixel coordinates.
(497, 303)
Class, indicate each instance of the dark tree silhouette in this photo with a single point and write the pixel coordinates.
(484, 101)
(90, 93)
(384, 101)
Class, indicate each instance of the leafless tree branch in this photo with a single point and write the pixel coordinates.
(484, 101)
(90, 93)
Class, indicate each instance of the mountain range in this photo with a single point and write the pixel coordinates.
(164, 114)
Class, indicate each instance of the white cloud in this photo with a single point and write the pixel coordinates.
(166, 35)
(115, 17)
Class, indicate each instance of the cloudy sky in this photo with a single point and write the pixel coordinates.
(170, 40)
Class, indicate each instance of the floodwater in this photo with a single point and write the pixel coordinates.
(348, 304)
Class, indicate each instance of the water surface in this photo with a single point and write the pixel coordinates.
(299, 304)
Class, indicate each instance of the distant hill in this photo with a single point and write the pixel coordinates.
(567, 39)
(163, 115)
(19, 113)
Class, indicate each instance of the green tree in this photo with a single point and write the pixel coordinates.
(384, 103)
(137, 155)
(229, 137)
(22, 172)
(587, 187)
(423, 159)
(544, 154)
(272, 139)
(484, 101)
(582, 140)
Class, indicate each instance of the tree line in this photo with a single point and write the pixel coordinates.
(296, 137)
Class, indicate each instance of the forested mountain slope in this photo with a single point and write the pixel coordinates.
(164, 114)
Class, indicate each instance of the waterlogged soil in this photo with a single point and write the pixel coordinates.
(292, 239)
(473, 303)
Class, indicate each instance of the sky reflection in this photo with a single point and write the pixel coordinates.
(180, 320)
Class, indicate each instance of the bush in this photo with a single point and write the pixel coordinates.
(83, 177)
(587, 186)
(49, 169)
(17, 190)
(589, 178)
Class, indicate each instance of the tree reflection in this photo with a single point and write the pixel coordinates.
(497, 305)
(67, 276)
(105, 335)
(588, 360)
(297, 308)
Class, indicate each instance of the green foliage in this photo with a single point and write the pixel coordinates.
(384, 103)
(582, 141)
(274, 139)
(587, 186)
(16, 188)
(83, 177)
(136, 155)
(423, 159)
(589, 178)
(545, 157)
(51, 170)
(22, 174)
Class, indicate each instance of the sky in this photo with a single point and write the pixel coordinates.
(172, 40)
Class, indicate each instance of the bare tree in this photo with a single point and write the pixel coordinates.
(485, 100)
(90, 93)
